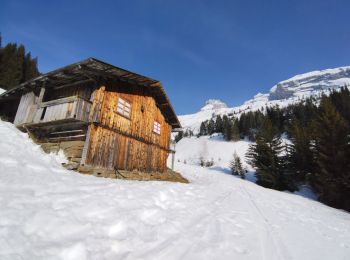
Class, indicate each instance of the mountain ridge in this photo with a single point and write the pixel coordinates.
(284, 93)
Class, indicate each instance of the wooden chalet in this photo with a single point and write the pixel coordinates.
(102, 116)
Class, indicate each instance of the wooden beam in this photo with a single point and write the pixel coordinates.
(67, 132)
(74, 83)
(66, 137)
(62, 100)
(59, 101)
(110, 75)
(41, 95)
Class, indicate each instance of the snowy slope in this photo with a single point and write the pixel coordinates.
(190, 150)
(214, 148)
(282, 94)
(2, 91)
(47, 212)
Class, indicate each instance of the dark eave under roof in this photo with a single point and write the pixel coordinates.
(92, 69)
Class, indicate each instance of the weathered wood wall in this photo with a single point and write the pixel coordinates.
(109, 149)
(26, 109)
(30, 112)
(84, 91)
(126, 143)
(74, 108)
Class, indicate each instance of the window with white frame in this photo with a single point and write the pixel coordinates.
(156, 127)
(124, 107)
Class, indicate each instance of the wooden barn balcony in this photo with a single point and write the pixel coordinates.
(72, 109)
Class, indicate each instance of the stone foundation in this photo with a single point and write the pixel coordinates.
(72, 150)
(168, 175)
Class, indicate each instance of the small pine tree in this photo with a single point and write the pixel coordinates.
(201, 161)
(266, 157)
(236, 166)
(203, 130)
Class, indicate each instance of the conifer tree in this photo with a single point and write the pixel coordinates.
(229, 131)
(266, 156)
(203, 130)
(300, 152)
(236, 166)
(225, 126)
(332, 176)
(235, 135)
(218, 124)
(16, 66)
(341, 101)
(211, 127)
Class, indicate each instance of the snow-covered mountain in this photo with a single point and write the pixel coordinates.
(284, 93)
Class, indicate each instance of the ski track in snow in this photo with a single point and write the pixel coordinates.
(267, 236)
(47, 212)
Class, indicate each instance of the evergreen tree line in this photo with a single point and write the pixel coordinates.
(317, 152)
(229, 127)
(16, 66)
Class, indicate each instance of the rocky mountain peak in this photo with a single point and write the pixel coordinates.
(213, 104)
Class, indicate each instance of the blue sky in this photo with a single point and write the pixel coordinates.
(229, 50)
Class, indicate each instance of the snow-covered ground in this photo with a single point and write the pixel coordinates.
(47, 212)
(2, 91)
(212, 148)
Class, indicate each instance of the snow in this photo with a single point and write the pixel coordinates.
(192, 150)
(47, 212)
(2, 91)
(306, 191)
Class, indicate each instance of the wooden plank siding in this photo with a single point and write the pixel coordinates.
(25, 109)
(83, 91)
(67, 108)
(116, 141)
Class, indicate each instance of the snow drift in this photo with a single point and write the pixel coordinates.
(47, 212)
